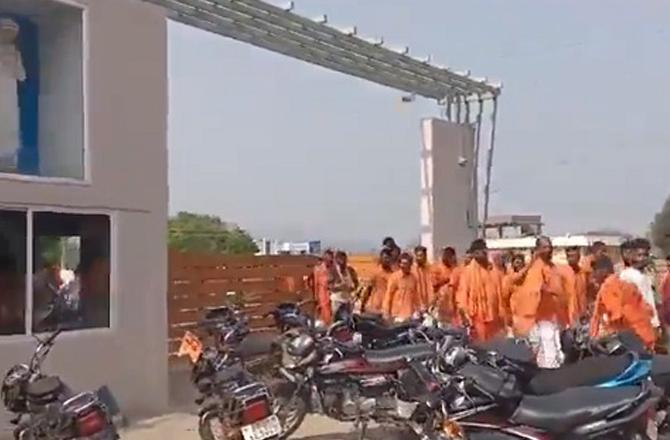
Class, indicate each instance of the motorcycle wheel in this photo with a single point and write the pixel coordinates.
(290, 409)
(210, 427)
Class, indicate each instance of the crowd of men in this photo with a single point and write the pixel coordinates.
(501, 293)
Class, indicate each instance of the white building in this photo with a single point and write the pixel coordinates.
(88, 166)
(275, 247)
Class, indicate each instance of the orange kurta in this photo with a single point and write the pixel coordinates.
(620, 306)
(540, 297)
(456, 276)
(575, 289)
(322, 293)
(586, 264)
(479, 297)
(665, 296)
(510, 283)
(499, 274)
(424, 277)
(402, 296)
(441, 275)
(379, 281)
(444, 291)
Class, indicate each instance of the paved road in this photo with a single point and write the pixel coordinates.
(182, 423)
(183, 426)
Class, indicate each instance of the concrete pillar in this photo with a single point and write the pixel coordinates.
(448, 194)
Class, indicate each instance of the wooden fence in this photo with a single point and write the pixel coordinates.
(199, 282)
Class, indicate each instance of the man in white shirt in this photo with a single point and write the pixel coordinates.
(639, 257)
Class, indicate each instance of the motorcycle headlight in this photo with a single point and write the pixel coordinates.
(12, 396)
(320, 326)
(301, 345)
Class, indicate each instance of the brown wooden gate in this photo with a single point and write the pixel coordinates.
(257, 283)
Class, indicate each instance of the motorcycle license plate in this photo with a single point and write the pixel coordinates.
(266, 428)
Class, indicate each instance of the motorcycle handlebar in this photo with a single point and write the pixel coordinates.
(42, 349)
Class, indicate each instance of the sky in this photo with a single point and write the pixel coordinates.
(293, 151)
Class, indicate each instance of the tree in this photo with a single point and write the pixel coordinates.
(189, 232)
(660, 228)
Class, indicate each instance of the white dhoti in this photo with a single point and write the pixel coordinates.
(545, 338)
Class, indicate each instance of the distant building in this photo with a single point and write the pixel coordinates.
(513, 226)
(275, 247)
(525, 244)
(518, 233)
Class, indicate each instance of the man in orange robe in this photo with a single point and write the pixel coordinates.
(540, 297)
(511, 281)
(442, 284)
(321, 291)
(478, 297)
(379, 283)
(390, 244)
(442, 271)
(424, 275)
(456, 274)
(619, 306)
(402, 300)
(665, 293)
(597, 249)
(575, 283)
(455, 280)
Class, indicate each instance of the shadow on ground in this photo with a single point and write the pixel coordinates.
(371, 434)
(182, 393)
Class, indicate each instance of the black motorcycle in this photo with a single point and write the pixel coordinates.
(487, 398)
(45, 408)
(350, 384)
(233, 400)
(368, 330)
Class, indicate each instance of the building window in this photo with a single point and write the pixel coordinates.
(41, 89)
(71, 271)
(13, 241)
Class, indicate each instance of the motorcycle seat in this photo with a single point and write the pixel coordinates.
(587, 372)
(370, 317)
(397, 354)
(379, 330)
(257, 344)
(44, 387)
(511, 349)
(563, 412)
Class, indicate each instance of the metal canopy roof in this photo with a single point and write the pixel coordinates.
(280, 30)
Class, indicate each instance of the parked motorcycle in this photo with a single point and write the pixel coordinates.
(233, 403)
(350, 384)
(45, 408)
(229, 331)
(485, 398)
(367, 330)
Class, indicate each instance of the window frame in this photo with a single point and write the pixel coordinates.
(30, 237)
(86, 180)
